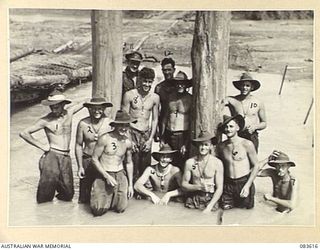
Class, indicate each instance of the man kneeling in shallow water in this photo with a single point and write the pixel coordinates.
(285, 186)
(164, 177)
(203, 176)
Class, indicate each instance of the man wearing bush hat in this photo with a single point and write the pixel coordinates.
(248, 106)
(88, 131)
(114, 184)
(285, 186)
(55, 163)
(240, 163)
(203, 175)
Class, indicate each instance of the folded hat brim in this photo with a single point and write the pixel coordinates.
(255, 84)
(156, 155)
(276, 162)
(49, 103)
(123, 122)
(90, 104)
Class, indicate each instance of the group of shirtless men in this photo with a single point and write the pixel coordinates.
(114, 155)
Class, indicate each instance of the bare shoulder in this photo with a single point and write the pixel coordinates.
(247, 143)
(175, 170)
(128, 143)
(190, 162)
(155, 97)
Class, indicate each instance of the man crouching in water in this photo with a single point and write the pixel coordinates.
(55, 164)
(240, 163)
(203, 176)
(164, 177)
(112, 189)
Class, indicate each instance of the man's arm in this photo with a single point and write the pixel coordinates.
(75, 108)
(27, 135)
(236, 105)
(139, 186)
(218, 178)
(126, 102)
(97, 152)
(129, 166)
(185, 184)
(154, 124)
(79, 150)
(252, 156)
(292, 203)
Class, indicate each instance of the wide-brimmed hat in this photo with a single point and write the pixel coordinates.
(182, 78)
(238, 118)
(122, 118)
(98, 101)
(55, 97)
(205, 136)
(246, 77)
(134, 56)
(282, 158)
(164, 150)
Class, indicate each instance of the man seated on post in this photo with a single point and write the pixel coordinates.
(285, 186)
(240, 163)
(203, 176)
(164, 178)
(141, 104)
(88, 131)
(55, 164)
(176, 119)
(113, 187)
(249, 106)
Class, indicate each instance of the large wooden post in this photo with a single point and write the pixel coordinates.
(209, 67)
(107, 55)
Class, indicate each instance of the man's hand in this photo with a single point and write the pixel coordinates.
(130, 192)
(135, 147)
(155, 199)
(183, 149)
(274, 155)
(147, 146)
(81, 173)
(165, 199)
(267, 197)
(251, 129)
(245, 191)
(111, 181)
(207, 210)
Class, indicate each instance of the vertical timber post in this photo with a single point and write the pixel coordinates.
(107, 56)
(210, 50)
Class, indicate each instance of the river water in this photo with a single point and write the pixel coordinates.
(285, 132)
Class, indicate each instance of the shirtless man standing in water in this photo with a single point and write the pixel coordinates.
(176, 119)
(141, 104)
(88, 131)
(114, 186)
(55, 164)
(240, 163)
(165, 178)
(203, 176)
(248, 106)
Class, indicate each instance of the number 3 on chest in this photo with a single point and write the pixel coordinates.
(114, 145)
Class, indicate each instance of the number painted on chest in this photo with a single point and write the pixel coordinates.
(253, 105)
(114, 146)
(135, 99)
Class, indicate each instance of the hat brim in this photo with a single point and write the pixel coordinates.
(212, 138)
(240, 121)
(187, 83)
(90, 104)
(255, 84)
(49, 103)
(156, 155)
(122, 122)
(276, 162)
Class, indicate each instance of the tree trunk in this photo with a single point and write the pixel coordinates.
(107, 56)
(209, 67)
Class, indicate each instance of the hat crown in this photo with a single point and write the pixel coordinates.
(97, 100)
(181, 76)
(122, 116)
(282, 157)
(165, 147)
(246, 76)
(134, 55)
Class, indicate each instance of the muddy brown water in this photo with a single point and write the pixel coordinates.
(285, 131)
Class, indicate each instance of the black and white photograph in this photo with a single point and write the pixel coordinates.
(161, 118)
